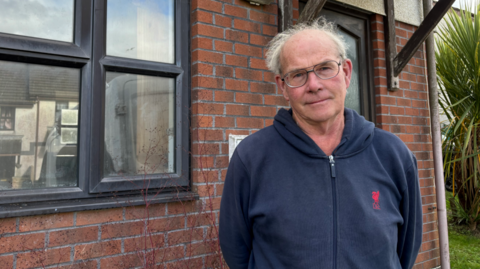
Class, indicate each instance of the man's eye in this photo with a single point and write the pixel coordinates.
(297, 75)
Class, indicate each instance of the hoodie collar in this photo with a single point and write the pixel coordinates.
(357, 134)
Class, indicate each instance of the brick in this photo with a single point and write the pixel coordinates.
(99, 216)
(118, 230)
(43, 258)
(144, 243)
(207, 5)
(248, 98)
(237, 110)
(72, 236)
(236, 36)
(21, 242)
(236, 60)
(259, 39)
(258, 63)
(223, 46)
(255, 123)
(269, 30)
(262, 17)
(235, 11)
(200, 94)
(246, 25)
(268, 122)
(261, 111)
(171, 253)
(167, 224)
(94, 250)
(248, 50)
(236, 85)
(201, 16)
(224, 122)
(43, 222)
(205, 148)
(269, 77)
(204, 190)
(203, 177)
(223, 21)
(203, 162)
(184, 208)
(202, 121)
(207, 56)
(223, 71)
(202, 68)
(207, 108)
(207, 135)
(275, 100)
(202, 43)
(270, 9)
(207, 82)
(222, 161)
(219, 189)
(263, 87)
(223, 96)
(207, 30)
(248, 74)
(7, 226)
(6, 261)
(126, 261)
(185, 236)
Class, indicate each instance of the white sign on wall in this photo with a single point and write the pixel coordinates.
(233, 141)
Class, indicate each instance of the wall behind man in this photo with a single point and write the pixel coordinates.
(232, 92)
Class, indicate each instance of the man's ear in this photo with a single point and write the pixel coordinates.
(282, 86)
(347, 69)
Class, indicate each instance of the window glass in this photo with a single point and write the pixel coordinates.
(139, 125)
(48, 19)
(352, 100)
(141, 29)
(38, 148)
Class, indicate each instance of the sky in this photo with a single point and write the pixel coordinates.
(458, 2)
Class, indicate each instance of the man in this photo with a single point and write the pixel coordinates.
(322, 187)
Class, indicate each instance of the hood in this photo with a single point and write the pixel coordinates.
(357, 134)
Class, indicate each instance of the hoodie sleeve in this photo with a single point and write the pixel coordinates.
(410, 233)
(235, 230)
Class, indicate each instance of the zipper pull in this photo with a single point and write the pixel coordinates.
(332, 165)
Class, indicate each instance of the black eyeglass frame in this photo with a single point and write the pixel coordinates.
(312, 70)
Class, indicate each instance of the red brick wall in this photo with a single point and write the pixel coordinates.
(406, 114)
(232, 92)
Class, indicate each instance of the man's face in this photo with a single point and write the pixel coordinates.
(319, 100)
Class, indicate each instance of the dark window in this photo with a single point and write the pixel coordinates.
(94, 109)
(354, 26)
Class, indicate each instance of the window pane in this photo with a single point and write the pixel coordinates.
(141, 29)
(352, 100)
(38, 149)
(139, 125)
(48, 19)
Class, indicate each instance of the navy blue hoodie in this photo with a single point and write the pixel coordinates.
(286, 204)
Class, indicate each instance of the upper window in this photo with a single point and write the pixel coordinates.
(102, 111)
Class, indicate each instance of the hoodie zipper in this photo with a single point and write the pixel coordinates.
(334, 195)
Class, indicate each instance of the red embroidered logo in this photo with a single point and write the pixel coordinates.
(376, 203)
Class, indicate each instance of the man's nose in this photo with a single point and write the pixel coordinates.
(314, 83)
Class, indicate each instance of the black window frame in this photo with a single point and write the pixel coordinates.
(87, 53)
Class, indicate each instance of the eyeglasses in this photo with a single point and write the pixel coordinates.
(325, 70)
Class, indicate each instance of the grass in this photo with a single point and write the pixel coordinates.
(464, 244)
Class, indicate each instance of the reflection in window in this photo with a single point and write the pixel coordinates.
(352, 100)
(7, 118)
(48, 19)
(141, 29)
(40, 151)
(139, 125)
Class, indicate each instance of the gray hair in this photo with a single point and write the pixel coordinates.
(275, 46)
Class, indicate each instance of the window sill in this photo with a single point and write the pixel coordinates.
(52, 207)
